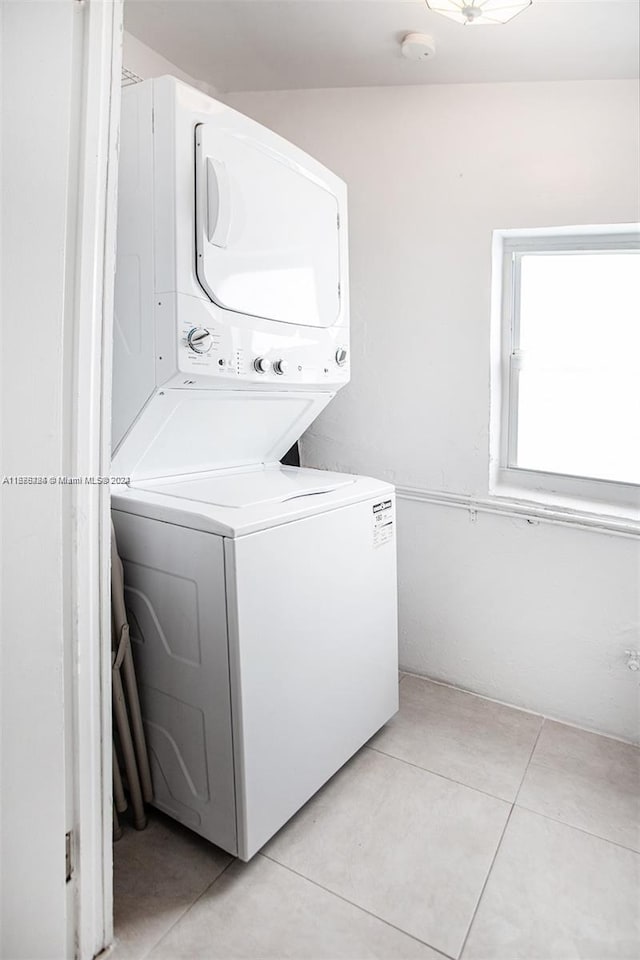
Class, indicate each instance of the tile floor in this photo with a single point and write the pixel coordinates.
(463, 829)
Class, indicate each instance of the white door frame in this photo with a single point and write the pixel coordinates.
(61, 94)
(91, 453)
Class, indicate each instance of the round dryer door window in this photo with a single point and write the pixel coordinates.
(268, 226)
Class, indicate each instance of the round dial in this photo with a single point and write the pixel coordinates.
(280, 366)
(200, 340)
(261, 364)
(341, 356)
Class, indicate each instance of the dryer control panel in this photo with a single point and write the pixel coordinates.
(229, 354)
(216, 349)
(217, 353)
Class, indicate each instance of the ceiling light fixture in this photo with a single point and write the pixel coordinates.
(479, 12)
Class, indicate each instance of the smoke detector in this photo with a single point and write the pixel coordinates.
(418, 46)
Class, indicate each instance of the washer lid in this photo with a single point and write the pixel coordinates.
(182, 431)
(252, 488)
(255, 499)
(267, 227)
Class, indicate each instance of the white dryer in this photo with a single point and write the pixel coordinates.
(261, 598)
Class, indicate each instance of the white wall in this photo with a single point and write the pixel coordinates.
(38, 63)
(533, 614)
(147, 63)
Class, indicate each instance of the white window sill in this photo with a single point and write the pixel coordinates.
(513, 503)
(590, 503)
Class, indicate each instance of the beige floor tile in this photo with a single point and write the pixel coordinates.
(158, 873)
(587, 781)
(410, 847)
(556, 893)
(476, 742)
(262, 911)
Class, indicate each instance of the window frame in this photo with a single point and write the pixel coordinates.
(507, 480)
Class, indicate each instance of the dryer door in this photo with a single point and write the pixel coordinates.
(267, 231)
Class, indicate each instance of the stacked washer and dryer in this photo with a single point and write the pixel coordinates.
(261, 598)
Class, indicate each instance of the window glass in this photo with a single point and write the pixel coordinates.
(578, 360)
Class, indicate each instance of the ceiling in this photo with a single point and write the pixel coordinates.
(287, 44)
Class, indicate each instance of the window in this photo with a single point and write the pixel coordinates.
(566, 372)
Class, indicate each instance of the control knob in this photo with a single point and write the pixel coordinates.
(341, 356)
(261, 364)
(280, 366)
(200, 340)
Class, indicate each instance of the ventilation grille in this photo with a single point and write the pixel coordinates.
(129, 77)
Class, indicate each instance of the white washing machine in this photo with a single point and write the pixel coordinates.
(261, 598)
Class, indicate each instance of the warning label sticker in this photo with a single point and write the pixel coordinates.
(382, 523)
